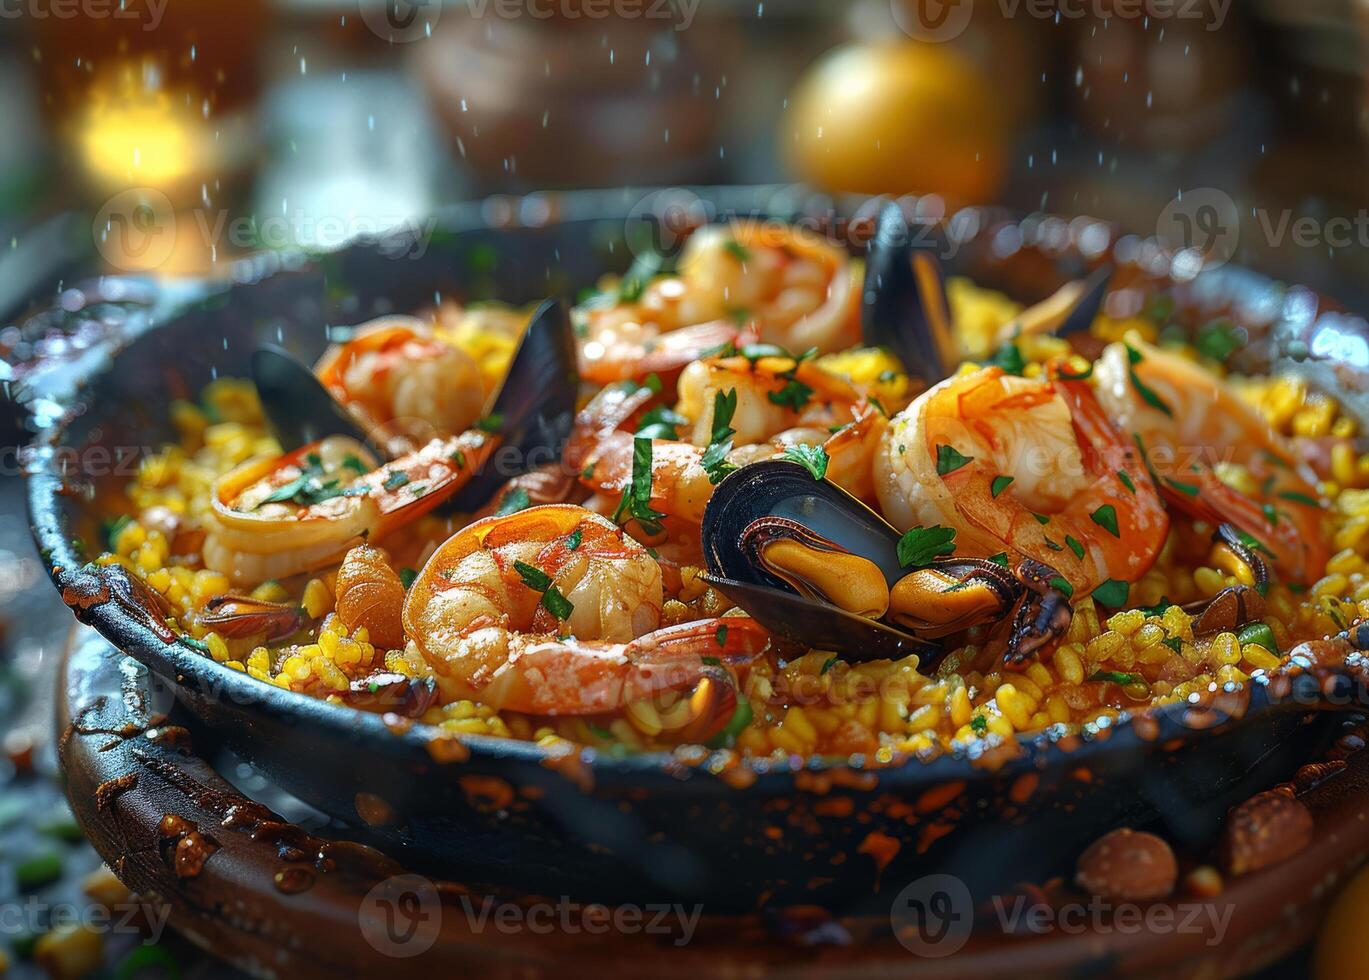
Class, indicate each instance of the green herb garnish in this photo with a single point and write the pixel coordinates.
(1149, 397)
(999, 484)
(812, 458)
(1106, 518)
(948, 460)
(1116, 677)
(515, 500)
(922, 546)
(1112, 593)
(714, 460)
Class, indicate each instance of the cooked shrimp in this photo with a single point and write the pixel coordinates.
(403, 383)
(553, 611)
(784, 285)
(680, 483)
(772, 393)
(1026, 468)
(279, 516)
(1194, 428)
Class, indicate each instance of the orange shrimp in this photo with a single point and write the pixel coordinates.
(554, 611)
(737, 282)
(1026, 468)
(403, 383)
(1193, 427)
(279, 516)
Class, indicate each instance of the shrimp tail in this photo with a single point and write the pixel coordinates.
(1043, 617)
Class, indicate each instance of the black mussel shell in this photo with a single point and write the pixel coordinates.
(784, 489)
(299, 409)
(903, 302)
(823, 627)
(1089, 304)
(535, 406)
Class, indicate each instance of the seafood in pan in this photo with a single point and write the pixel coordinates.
(776, 498)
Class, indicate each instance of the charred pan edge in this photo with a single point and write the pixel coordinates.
(1329, 346)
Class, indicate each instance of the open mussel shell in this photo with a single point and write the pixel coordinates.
(535, 406)
(1089, 304)
(299, 409)
(823, 627)
(783, 491)
(903, 302)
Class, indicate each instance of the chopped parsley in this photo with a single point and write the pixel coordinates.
(458, 458)
(1299, 498)
(1106, 518)
(539, 581)
(1187, 489)
(922, 546)
(1010, 359)
(353, 462)
(979, 724)
(406, 577)
(812, 458)
(1074, 546)
(1116, 677)
(948, 460)
(645, 267)
(1218, 340)
(1112, 593)
(721, 635)
(1000, 559)
(999, 484)
(1149, 397)
(1126, 481)
(828, 664)
(794, 395)
(573, 539)
(636, 502)
(491, 423)
(661, 423)
(1059, 582)
(395, 480)
(515, 500)
(311, 487)
(714, 460)
(737, 250)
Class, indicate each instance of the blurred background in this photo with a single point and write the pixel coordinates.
(168, 137)
(172, 135)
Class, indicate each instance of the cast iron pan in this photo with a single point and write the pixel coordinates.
(686, 826)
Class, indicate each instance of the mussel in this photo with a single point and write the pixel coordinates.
(904, 306)
(903, 300)
(816, 566)
(532, 410)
